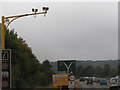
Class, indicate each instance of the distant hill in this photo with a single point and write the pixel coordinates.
(112, 63)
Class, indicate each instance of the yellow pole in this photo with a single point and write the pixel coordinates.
(3, 33)
(15, 17)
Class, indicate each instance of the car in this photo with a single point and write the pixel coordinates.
(89, 81)
(98, 80)
(81, 79)
(95, 79)
(103, 82)
(86, 78)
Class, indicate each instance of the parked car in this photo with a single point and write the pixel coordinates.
(103, 82)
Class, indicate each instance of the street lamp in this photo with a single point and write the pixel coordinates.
(10, 19)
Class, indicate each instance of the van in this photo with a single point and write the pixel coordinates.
(115, 82)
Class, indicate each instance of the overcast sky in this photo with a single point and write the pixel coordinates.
(71, 30)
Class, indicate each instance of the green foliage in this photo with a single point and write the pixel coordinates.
(107, 70)
(89, 71)
(27, 72)
(80, 71)
(98, 71)
(119, 67)
(114, 72)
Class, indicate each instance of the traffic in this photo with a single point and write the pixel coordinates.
(95, 82)
(68, 79)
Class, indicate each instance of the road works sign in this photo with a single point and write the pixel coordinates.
(72, 78)
(62, 67)
(60, 80)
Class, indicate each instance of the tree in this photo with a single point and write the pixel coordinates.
(46, 64)
(98, 71)
(47, 72)
(89, 71)
(107, 70)
(27, 72)
(80, 71)
(114, 72)
(119, 67)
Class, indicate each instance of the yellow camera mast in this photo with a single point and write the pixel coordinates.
(10, 19)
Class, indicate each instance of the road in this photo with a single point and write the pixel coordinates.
(94, 85)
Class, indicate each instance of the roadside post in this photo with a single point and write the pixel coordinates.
(71, 81)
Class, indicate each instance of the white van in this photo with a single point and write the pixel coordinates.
(115, 82)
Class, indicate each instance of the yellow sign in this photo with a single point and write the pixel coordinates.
(60, 80)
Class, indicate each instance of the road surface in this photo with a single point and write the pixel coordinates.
(94, 86)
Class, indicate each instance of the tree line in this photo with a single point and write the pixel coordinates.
(97, 71)
(27, 71)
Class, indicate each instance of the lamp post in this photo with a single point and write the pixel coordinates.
(7, 19)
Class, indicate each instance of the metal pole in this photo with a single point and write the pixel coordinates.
(14, 18)
(3, 33)
(25, 15)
